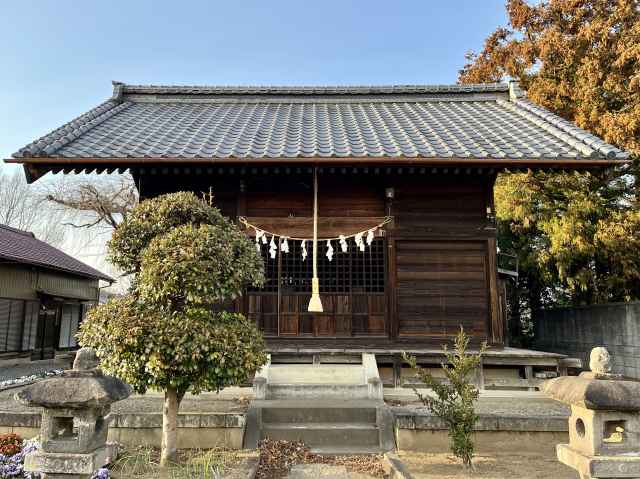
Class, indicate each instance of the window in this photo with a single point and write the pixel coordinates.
(12, 316)
(69, 322)
(351, 272)
(30, 329)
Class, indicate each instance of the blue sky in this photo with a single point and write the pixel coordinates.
(59, 57)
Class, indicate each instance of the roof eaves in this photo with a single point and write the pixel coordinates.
(541, 122)
(592, 141)
(53, 141)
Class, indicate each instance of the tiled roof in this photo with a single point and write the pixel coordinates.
(23, 247)
(488, 121)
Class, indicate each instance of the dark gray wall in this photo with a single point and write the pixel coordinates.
(575, 331)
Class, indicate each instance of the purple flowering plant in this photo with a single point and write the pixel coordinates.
(12, 466)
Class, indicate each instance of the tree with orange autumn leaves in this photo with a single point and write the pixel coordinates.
(577, 235)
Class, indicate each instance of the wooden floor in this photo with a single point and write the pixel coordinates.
(380, 348)
(524, 364)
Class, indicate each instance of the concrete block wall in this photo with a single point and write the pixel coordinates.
(575, 331)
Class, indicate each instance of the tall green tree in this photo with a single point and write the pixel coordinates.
(576, 234)
(171, 332)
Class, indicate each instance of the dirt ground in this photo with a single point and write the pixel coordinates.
(499, 466)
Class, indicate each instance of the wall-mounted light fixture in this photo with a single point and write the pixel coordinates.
(390, 193)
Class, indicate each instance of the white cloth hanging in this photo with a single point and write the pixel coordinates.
(329, 251)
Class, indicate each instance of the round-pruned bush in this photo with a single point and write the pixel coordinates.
(198, 265)
(154, 217)
(197, 349)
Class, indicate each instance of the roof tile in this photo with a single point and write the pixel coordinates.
(23, 247)
(470, 121)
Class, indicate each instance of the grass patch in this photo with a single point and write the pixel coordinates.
(144, 463)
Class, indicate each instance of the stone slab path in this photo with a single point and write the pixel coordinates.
(323, 471)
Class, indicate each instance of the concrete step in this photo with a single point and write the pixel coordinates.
(315, 391)
(318, 471)
(318, 413)
(347, 451)
(319, 374)
(325, 434)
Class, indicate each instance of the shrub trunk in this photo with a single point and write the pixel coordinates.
(169, 427)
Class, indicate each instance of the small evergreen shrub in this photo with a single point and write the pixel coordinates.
(454, 398)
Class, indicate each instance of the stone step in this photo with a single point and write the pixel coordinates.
(347, 450)
(318, 374)
(315, 391)
(318, 471)
(334, 435)
(319, 414)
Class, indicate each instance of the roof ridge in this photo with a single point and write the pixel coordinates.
(71, 130)
(583, 136)
(18, 231)
(123, 88)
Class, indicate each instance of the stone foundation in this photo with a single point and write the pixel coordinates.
(413, 431)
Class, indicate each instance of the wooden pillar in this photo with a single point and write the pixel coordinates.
(242, 305)
(496, 328)
(391, 282)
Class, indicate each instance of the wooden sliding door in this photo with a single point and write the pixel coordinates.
(442, 285)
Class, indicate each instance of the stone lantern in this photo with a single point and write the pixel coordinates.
(75, 419)
(604, 427)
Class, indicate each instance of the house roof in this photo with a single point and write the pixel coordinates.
(445, 122)
(23, 247)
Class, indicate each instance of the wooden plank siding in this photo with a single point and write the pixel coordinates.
(441, 286)
(439, 263)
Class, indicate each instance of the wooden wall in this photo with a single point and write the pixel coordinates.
(442, 260)
(441, 246)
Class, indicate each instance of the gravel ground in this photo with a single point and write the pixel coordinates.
(507, 406)
(502, 466)
(236, 400)
(150, 403)
(26, 369)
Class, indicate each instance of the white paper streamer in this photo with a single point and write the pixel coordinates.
(284, 246)
(304, 250)
(343, 243)
(272, 248)
(369, 237)
(359, 241)
(260, 234)
(329, 251)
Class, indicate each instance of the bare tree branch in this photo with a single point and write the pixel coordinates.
(106, 202)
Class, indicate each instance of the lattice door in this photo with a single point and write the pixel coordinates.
(352, 288)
